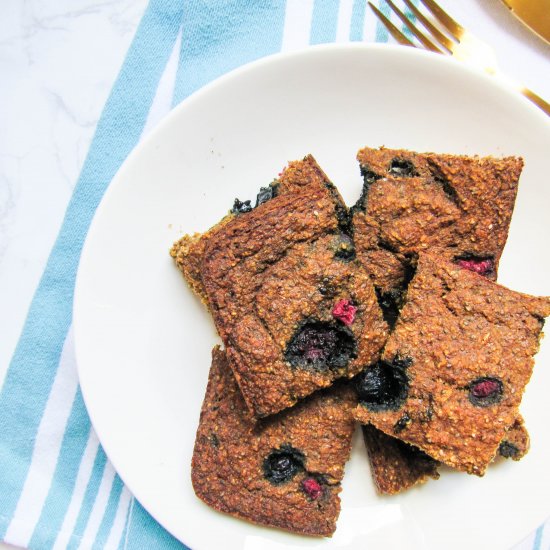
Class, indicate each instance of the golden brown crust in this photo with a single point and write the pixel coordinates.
(188, 253)
(230, 450)
(452, 205)
(455, 329)
(395, 465)
(189, 250)
(264, 273)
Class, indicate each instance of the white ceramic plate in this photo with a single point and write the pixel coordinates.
(143, 341)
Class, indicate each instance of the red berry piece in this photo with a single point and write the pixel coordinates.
(485, 391)
(344, 311)
(312, 488)
(481, 266)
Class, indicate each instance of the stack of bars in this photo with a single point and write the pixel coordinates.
(386, 314)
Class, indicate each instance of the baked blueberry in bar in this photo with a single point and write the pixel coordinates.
(293, 306)
(457, 207)
(283, 471)
(454, 369)
(515, 443)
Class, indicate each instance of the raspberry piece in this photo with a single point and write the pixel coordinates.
(312, 488)
(481, 266)
(485, 391)
(344, 311)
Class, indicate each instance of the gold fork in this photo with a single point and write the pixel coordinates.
(462, 45)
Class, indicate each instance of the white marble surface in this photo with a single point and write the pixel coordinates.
(58, 61)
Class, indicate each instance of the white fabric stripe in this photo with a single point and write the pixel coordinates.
(117, 529)
(297, 26)
(162, 103)
(99, 507)
(128, 523)
(344, 20)
(46, 448)
(82, 479)
(369, 25)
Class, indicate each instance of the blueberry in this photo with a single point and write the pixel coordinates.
(402, 168)
(282, 464)
(369, 175)
(508, 450)
(240, 207)
(390, 303)
(402, 424)
(344, 248)
(485, 391)
(320, 345)
(266, 193)
(326, 288)
(385, 385)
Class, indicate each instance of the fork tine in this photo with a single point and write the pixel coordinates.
(435, 32)
(425, 41)
(446, 20)
(392, 29)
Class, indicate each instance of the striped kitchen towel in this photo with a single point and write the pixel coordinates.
(57, 487)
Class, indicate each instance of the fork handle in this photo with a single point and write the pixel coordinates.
(536, 99)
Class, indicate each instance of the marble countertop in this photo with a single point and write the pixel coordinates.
(58, 61)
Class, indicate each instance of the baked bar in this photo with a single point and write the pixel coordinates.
(292, 305)
(457, 207)
(396, 465)
(284, 471)
(454, 369)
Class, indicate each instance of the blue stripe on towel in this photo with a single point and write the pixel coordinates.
(35, 361)
(56, 504)
(220, 36)
(109, 515)
(538, 538)
(382, 34)
(357, 20)
(89, 499)
(323, 21)
(143, 532)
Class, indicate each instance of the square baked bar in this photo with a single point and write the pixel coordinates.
(457, 207)
(397, 466)
(455, 367)
(293, 306)
(284, 471)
